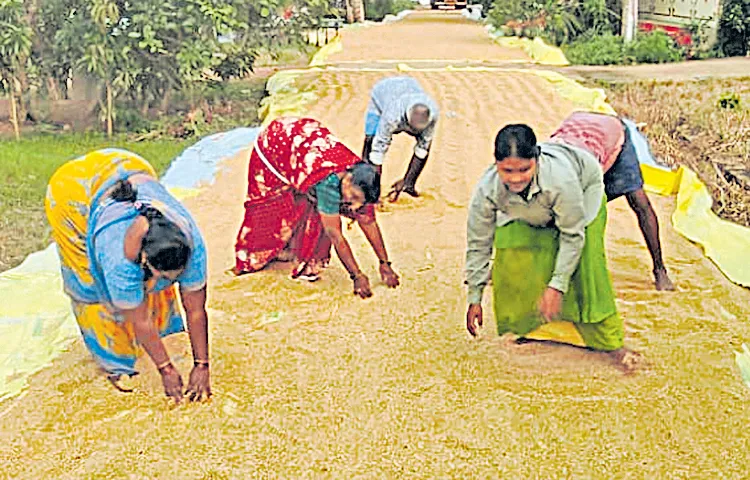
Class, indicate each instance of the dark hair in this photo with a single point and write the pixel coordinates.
(517, 140)
(124, 191)
(166, 247)
(367, 179)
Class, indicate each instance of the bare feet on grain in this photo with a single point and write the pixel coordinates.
(663, 282)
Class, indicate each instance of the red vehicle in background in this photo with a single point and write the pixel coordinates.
(675, 17)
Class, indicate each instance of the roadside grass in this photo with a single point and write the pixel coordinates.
(703, 125)
(26, 167)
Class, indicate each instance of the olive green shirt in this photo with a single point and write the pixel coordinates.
(566, 192)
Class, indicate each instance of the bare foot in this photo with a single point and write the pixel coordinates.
(627, 360)
(663, 282)
(411, 191)
(305, 271)
(314, 267)
(123, 383)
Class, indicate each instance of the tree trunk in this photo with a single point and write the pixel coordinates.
(358, 9)
(110, 120)
(53, 89)
(24, 104)
(14, 112)
(164, 108)
(146, 103)
(629, 19)
(22, 85)
(349, 11)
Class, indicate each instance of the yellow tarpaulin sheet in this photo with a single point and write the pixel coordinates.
(284, 97)
(590, 99)
(536, 49)
(36, 320)
(661, 180)
(334, 46)
(726, 243)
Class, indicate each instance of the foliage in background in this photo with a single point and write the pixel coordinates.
(587, 30)
(609, 49)
(734, 28)
(565, 22)
(376, 10)
(701, 46)
(15, 48)
(559, 21)
(143, 53)
(654, 47)
(486, 6)
(604, 49)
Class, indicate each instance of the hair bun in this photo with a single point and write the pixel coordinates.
(124, 191)
(149, 212)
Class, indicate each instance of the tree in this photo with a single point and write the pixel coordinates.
(357, 10)
(734, 28)
(143, 51)
(106, 53)
(57, 47)
(629, 19)
(15, 47)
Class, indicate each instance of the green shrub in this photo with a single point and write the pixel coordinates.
(376, 10)
(609, 49)
(729, 101)
(701, 46)
(599, 16)
(130, 120)
(606, 49)
(654, 47)
(505, 11)
(734, 28)
(402, 5)
(486, 6)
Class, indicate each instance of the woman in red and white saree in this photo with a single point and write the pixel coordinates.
(301, 179)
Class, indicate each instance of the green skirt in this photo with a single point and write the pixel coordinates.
(524, 261)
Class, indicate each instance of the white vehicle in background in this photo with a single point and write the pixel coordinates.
(675, 17)
(448, 4)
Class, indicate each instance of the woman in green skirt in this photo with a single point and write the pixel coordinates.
(541, 207)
